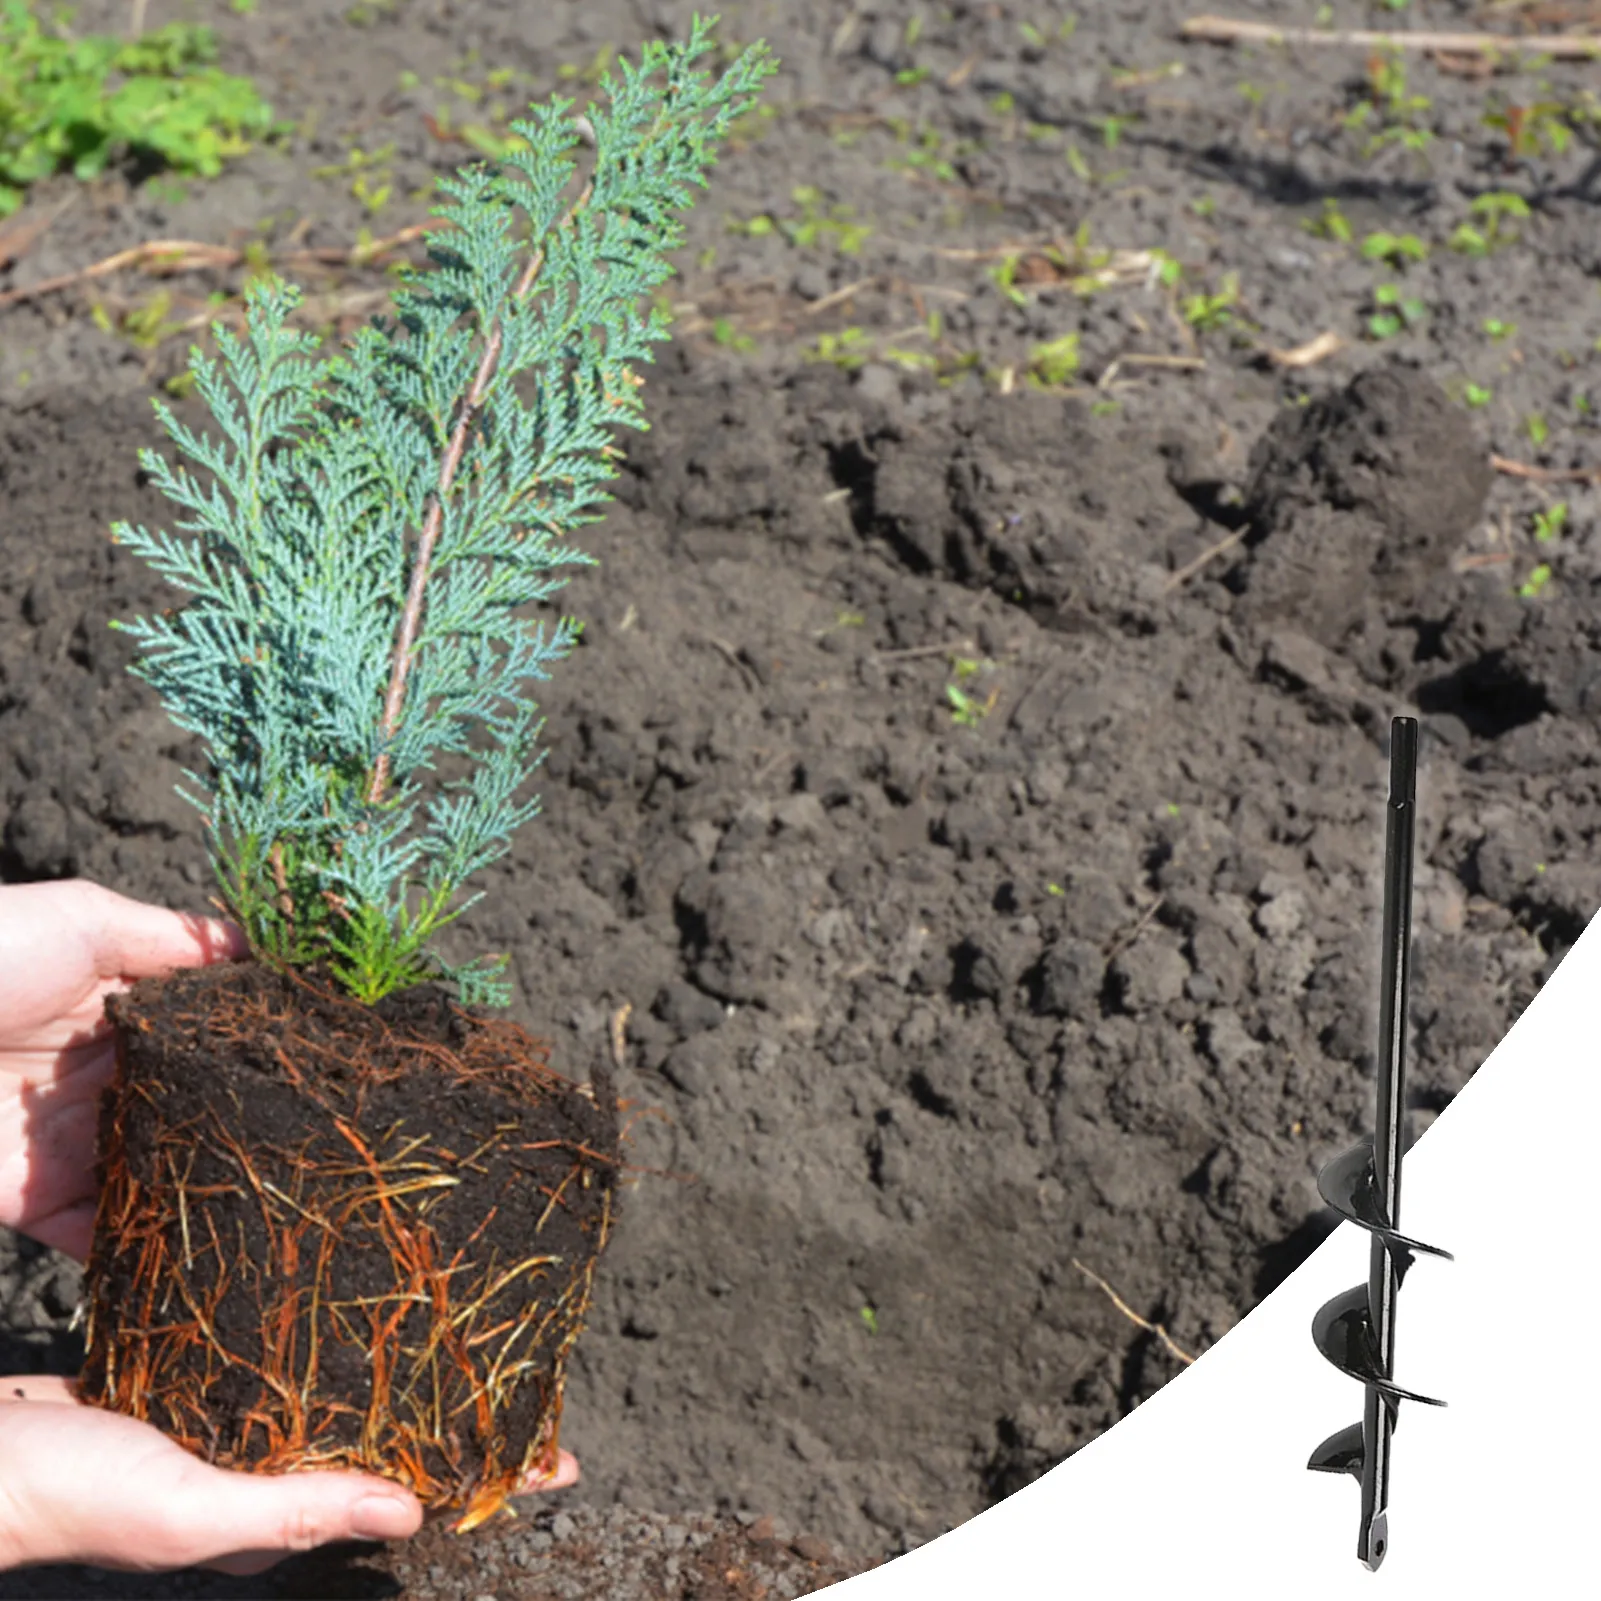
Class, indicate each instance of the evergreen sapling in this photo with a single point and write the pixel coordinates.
(353, 1225)
(330, 654)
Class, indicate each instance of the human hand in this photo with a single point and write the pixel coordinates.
(86, 1485)
(64, 947)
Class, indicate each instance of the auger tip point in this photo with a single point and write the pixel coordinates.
(1375, 1541)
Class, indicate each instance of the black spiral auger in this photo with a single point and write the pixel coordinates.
(1356, 1330)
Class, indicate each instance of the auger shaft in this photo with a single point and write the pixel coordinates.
(1356, 1329)
(1400, 828)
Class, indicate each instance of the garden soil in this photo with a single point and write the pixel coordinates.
(963, 821)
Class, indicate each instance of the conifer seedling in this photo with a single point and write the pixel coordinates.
(347, 1220)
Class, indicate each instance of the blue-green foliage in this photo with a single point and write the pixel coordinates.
(306, 549)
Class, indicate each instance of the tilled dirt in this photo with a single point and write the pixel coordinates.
(972, 790)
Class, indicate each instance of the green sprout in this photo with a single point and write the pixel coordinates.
(1389, 102)
(723, 332)
(1112, 130)
(1396, 311)
(1396, 250)
(1055, 362)
(1536, 581)
(1550, 522)
(1493, 211)
(357, 166)
(928, 154)
(1331, 225)
(1205, 312)
(836, 223)
(966, 711)
(1533, 129)
(844, 349)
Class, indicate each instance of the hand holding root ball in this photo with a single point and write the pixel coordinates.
(78, 1484)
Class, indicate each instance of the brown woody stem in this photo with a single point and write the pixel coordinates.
(434, 521)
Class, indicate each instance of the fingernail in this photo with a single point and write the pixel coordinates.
(382, 1517)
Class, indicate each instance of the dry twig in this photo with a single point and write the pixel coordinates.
(961, 648)
(619, 1035)
(1135, 358)
(1191, 568)
(1546, 475)
(1318, 348)
(1133, 1316)
(1122, 942)
(1559, 46)
(163, 257)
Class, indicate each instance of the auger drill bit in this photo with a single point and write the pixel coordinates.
(1356, 1330)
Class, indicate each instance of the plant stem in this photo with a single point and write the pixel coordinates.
(412, 616)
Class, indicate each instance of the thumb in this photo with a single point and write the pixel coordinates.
(133, 939)
(249, 1522)
(78, 1484)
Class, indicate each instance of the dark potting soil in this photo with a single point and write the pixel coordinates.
(974, 791)
(308, 1180)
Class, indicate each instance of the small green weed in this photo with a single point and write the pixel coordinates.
(847, 348)
(590, 74)
(371, 184)
(1548, 524)
(836, 224)
(1331, 225)
(924, 149)
(1537, 428)
(1206, 313)
(724, 334)
(1498, 330)
(1389, 103)
(1477, 395)
(1394, 249)
(1532, 130)
(1494, 214)
(79, 103)
(845, 618)
(1054, 363)
(1112, 130)
(145, 326)
(965, 710)
(1535, 582)
(1394, 310)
